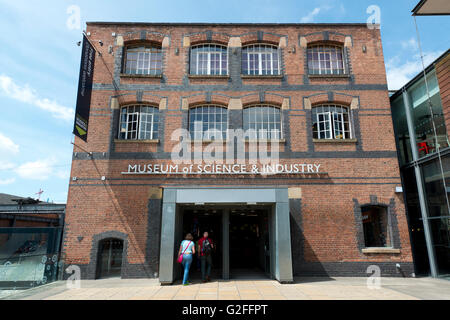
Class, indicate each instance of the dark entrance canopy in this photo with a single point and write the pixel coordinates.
(432, 8)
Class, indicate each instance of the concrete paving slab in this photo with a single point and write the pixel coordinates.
(302, 288)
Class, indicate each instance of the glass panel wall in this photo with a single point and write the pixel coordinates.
(426, 143)
(439, 217)
(29, 256)
(415, 222)
(401, 130)
(423, 126)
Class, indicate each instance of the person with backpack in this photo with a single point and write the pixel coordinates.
(205, 247)
(187, 250)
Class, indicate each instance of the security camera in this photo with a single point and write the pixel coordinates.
(100, 42)
(79, 43)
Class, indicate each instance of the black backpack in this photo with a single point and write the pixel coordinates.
(206, 248)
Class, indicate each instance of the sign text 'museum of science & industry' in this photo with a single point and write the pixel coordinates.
(297, 168)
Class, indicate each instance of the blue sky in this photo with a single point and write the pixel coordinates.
(39, 65)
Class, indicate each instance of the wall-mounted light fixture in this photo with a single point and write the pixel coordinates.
(364, 48)
(177, 51)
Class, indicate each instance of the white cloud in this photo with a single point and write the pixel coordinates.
(398, 74)
(410, 44)
(7, 146)
(63, 174)
(28, 95)
(310, 16)
(42, 169)
(7, 181)
(36, 170)
(5, 165)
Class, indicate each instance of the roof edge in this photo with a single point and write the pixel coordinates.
(104, 23)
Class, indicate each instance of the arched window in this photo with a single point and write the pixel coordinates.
(264, 121)
(260, 60)
(143, 60)
(209, 59)
(331, 122)
(204, 119)
(138, 122)
(376, 226)
(325, 59)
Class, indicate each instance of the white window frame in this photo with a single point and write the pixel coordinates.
(329, 132)
(224, 131)
(321, 50)
(147, 115)
(265, 131)
(136, 117)
(209, 60)
(332, 123)
(259, 52)
(140, 55)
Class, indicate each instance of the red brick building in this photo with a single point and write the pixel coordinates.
(316, 91)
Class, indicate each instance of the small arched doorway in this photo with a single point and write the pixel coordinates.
(110, 258)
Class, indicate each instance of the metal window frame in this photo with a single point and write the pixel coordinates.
(141, 114)
(332, 110)
(128, 133)
(247, 126)
(208, 54)
(321, 48)
(259, 51)
(154, 55)
(209, 107)
(330, 125)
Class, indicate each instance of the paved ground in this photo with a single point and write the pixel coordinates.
(301, 289)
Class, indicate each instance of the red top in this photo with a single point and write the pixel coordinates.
(200, 243)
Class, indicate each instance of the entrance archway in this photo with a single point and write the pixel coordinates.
(110, 252)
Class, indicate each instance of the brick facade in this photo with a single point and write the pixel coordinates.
(442, 74)
(325, 223)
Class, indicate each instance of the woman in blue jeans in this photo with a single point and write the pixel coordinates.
(187, 248)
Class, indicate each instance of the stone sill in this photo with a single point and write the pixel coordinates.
(321, 76)
(335, 140)
(265, 140)
(380, 250)
(146, 76)
(208, 76)
(247, 76)
(152, 141)
(246, 141)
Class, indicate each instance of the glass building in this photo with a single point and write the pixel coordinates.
(421, 122)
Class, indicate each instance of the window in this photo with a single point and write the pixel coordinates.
(138, 122)
(265, 120)
(143, 60)
(331, 122)
(208, 117)
(260, 60)
(325, 60)
(376, 226)
(209, 60)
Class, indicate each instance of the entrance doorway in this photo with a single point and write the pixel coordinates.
(198, 220)
(110, 258)
(176, 201)
(249, 242)
(241, 248)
